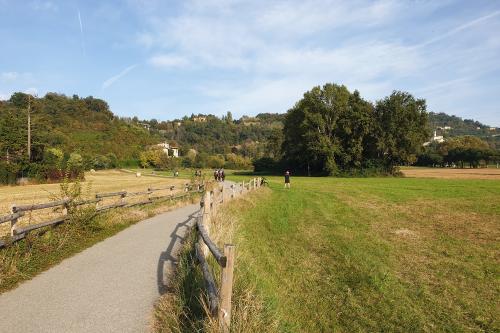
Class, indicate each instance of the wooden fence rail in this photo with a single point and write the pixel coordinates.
(18, 211)
(219, 301)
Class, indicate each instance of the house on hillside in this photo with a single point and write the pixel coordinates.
(145, 125)
(200, 119)
(168, 149)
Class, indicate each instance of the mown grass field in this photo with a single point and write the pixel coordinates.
(373, 254)
(98, 182)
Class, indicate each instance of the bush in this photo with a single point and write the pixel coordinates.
(101, 162)
(8, 173)
(266, 164)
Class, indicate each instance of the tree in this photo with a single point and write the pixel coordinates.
(325, 131)
(274, 143)
(229, 117)
(74, 165)
(468, 149)
(400, 128)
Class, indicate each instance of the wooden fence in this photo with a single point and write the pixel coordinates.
(219, 301)
(18, 211)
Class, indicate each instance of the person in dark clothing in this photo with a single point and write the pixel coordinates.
(287, 179)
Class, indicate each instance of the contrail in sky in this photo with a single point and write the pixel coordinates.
(458, 29)
(81, 33)
(115, 78)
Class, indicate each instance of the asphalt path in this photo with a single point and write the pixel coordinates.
(109, 287)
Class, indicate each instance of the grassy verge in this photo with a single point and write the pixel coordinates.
(40, 250)
(183, 308)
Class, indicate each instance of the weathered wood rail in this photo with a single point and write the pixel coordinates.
(18, 211)
(219, 301)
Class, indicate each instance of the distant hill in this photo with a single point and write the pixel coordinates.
(72, 124)
(453, 126)
(213, 135)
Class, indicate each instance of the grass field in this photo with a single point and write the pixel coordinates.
(101, 181)
(187, 173)
(373, 254)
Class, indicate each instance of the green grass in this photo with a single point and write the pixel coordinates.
(188, 173)
(374, 254)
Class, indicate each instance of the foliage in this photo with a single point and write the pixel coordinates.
(401, 128)
(330, 131)
(63, 126)
(458, 151)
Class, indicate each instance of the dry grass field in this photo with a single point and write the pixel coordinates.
(98, 182)
(449, 173)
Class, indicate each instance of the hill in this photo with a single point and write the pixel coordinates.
(83, 125)
(453, 126)
(61, 126)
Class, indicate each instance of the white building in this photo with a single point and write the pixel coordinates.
(164, 146)
(168, 149)
(435, 138)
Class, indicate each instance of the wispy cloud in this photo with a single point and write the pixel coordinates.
(82, 37)
(168, 61)
(4, 96)
(113, 79)
(32, 91)
(9, 76)
(44, 5)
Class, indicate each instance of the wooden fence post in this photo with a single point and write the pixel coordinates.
(214, 202)
(222, 193)
(205, 221)
(122, 197)
(65, 209)
(13, 221)
(232, 191)
(226, 289)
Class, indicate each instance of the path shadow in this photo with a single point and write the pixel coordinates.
(167, 260)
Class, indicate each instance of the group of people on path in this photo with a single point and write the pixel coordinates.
(219, 175)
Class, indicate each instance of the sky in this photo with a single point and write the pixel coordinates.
(166, 59)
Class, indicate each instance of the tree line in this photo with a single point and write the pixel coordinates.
(332, 131)
(459, 152)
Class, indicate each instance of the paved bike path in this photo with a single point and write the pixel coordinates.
(109, 287)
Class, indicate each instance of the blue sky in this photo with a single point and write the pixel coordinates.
(166, 59)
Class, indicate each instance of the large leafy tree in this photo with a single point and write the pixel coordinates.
(324, 132)
(401, 128)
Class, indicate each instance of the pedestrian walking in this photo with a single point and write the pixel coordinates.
(287, 179)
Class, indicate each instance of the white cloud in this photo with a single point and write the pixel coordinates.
(4, 96)
(266, 54)
(145, 39)
(9, 76)
(32, 91)
(44, 5)
(107, 83)
(168, 61)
